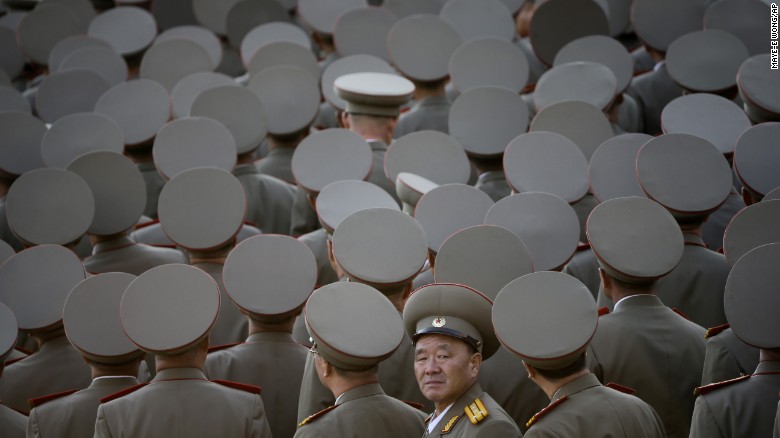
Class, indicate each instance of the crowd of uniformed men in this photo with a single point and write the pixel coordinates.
(465, 218)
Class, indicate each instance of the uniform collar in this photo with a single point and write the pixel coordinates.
(431, 101)
(360, 392)
(56, 343)
(491, 175)
(577, 385)
(145, 166)
(179, 374)
(693, 239)
(639, 300)
(244, 169)
(109, 381)
(281, 151)
(270, 336)
(768, 367)
(377, 145)
(110, 245)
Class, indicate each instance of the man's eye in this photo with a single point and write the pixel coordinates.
(442, 356)
(421, 359)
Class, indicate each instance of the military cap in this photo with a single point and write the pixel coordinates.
(635, 239)
(22, 136)
(35, 282)
(684, 173)
(421, 46)
(603, 50)
(202, 209)
(244, 15)
(338, 200)
(585, 81)
(377, 94)
(750, 228)
(118, 188)
(239, 109)
(102, 60)
(410, 188)
(4, 79)
(555, 305)
(168, 309)
(283, 53)
(141, 107)
(92, 307)
(751, 299)
(43, 27)
(171, 60)
(191, 86)
(749, 28)
(128, 29)
(405, 8)
(547, 225)
(483, 257)
(756, 158)
(328, 156)
(546, 162)
(659, 22)
(82, 9)
(270, 277)
(68, 92)
(78, 134)
(352, 325)
(198, 34)
(72, 44)
(452, 310)
(363, 31)
(49, 206)
(485, 119)
(11, 57)
(706, 61)
(759, 88)
(174, 13)
(290, 95)
(380, 247)
(274, 32)
(6, 251)
(433, 155)
(347, 65)
(449, 208)
(192, 142)
(713, 118)
(772, 195)
(548, 32)
(321, 15)
(508, 66)
(9, 331)
(580, 122)
(612, 168)
(472, 20)
(12, 100)
(213, 15)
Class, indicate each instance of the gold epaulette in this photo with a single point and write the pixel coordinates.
(706, 389)
(546, 411)
(448, 427)
(476, 411)
(712, 331)
(319, 414)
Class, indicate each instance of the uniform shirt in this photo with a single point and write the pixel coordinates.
(652, 91)
(646, 346)
(431, 113)
(278, 163)
(727, 357)
(269, 200)
(497, 423)
(273, 361)
(231, 325)
(585, 408)
(12, 423)
(73, 416)
(365, 411)
(744, 408)
(180, 402)
(154, 184)
(493, 182)
(124, 255)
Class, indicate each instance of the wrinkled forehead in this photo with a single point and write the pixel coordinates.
(437, 342)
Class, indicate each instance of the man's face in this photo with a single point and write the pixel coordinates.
(445, 368)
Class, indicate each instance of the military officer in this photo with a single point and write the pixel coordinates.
(12, 422)
(563, 311)
(752, 81)
(92, 307)
(410, 188)
(348, 365)
(643, 344)
(755, 159)
(268, 278)
(745, 406)
(451, 328)
(168, 311)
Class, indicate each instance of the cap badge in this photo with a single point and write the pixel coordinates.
(439, 321)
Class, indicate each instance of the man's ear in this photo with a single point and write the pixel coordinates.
(606, 283)
(475, 363)
(344, 119)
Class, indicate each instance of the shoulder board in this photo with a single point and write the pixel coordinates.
(713, 331)
(418, 406)
(319, 414)
(450, 424)
(476, 411)
(621, 388)
(9, 362)
(546, 410)
(223, 347)
(713, 386)
(147, 224)
(583, 246)
(240, 386)
(122, 393)
(679, 312)
(603, 311)
(35, 402)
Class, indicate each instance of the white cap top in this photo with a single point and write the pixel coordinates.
(321, 15)
(612, 169)
(759, 89)
(9, 331)
(347, 65)
(171, 60)
(750, 228)
(6, 251)
(706, 60)
(102, 60)
(450, 208)
(342, 198)
(433, 155)
(290, 95)
(43, 27)
(72, 44)
(659, 22)
(68, 92)
(284, 53)
(273, 32)
(140, 107)
(78, 134)
(213, 14)
(584, 81)
(489, 61)
(11, 56)
(370, 93)
(757, 157)
(364, 31)
(773, 194)
(580, 122)
(174, 13)
(405, 8)
(410, 188)
(190, 87)
(200, 35)
(128, 29)
(472, 20)
(421, 46)
(22, 136)
(246, 14)
(331, 155)
(749, 28)
(548, 35)
(239, 109)
(191, 142)
(603, 50)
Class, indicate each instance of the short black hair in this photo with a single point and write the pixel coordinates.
(560, 373)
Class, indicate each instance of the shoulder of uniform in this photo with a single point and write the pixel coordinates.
(680, 312)
(583, 246)
(12, 361)
(706, 389)
(713, 331)
(35, 402)
(476, 411)
(546, 410)
(223, 347)
(122, 393)
(240, 386)
(603, 311)
(313, 417)
(620, 388)
(418, 406)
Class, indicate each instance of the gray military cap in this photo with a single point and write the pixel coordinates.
(168, 309)
(472, 20)
(750, 228)
(191, 86)
(35, 283)
(340, 199)
(759, 88)
(584, 81)
(603, 50)
(270, 277)
(684, 173)
(483, 257)
(547, 225)
(93, 307)
(22, 136)
(243, 16)
(347, 65)
(751, 298)
(706, 61)
(547, 35)
(363, 31)
(546, 162)
(410, 188)
(283, 53)
(612, 168)
(43, 27)
(420, 46)
(377, 94)
(352, 325)
(274, 32)
(202, 209)
(433, 155)
(447, 209)
(11, 56)
(118, 188)
(239, 109)
(773, 194)
(321, 15)
(191, 142)
(72, 44)
(128, 29)
(749, 28)
(757, 158)
(290, 95)
(6, 251)
(49, 206)
(13, 100)
(405, 8)
(198, 34)
(452, 310)
(485, 119)
(558, 307)
(580, 122)
(68, 92)
(659, 22)
(213, 14)
(104, 61)
(635, 240)
(78, 134)
(9, 331)
(488, 61)
(171, 60)
(381, 247)
(141, 107)
(173, 13)
(328, 156)
(713, 118)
